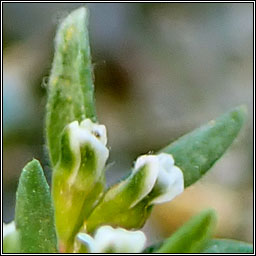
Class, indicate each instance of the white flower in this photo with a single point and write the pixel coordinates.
(163, 177)
(92, 134)
(78, 176)
(113, 240)
(8, 228)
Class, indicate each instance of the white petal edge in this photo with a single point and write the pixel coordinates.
(151, 163)
(170, 179)
(161, 172)
(87, 240)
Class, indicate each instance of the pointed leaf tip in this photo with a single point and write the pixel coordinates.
(196, 152)
(192, 236)
(71, 85)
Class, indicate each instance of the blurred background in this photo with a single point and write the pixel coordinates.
(161, 70)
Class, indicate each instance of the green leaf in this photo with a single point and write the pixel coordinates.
(214, 246)
(228, 246)
(116, 216)
(192, 236)
(116, 206)
(70, 89)
(196, 152)
(34, 214)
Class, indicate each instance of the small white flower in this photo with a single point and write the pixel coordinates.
(163, 176)
(78, 176)
(98, 130)
(114, 240)
(92, 134)
(8, 228)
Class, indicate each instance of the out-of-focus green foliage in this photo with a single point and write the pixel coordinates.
(228, 246)
(192, 237)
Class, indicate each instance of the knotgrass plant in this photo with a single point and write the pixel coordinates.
(79, 214)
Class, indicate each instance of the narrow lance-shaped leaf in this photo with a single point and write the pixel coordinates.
(228, 246)
(192, 236)
(70, 89)
(34, 215)
(196, 152)
(215, 246)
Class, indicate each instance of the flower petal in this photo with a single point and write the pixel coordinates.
(114, 240)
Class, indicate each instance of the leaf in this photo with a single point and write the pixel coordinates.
(228, 246)
(192, 236)
(215, 246)
(116, 206)
(34, 214)
(70, 89)
(133, 218)
(196, 152)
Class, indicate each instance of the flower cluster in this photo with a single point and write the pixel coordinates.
(154, 179)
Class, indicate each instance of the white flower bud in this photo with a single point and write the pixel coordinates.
(113, 240)
(170, 179)
(78, 178)
(155, 179)
(165, 178)
(92, 134)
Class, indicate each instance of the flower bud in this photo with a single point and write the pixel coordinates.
(78, 178)
(169, 181)
(155, 179)
(113, 240)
